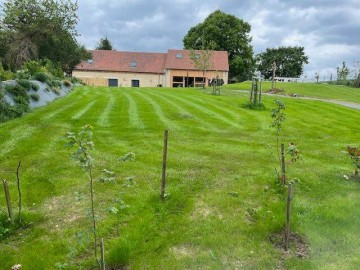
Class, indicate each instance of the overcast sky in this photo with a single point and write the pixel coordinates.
(328, 29)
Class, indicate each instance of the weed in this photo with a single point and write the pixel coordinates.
(354, 153)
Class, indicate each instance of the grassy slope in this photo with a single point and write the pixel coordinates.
(223, 204)
(326, 91)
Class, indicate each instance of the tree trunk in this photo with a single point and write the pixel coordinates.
(357, 84)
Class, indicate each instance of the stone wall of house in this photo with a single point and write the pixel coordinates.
(99, 78)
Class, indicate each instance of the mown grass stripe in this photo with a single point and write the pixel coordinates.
(104, 116)
(83, 111)
(133, 111)
(158, 111)
(207, 111)
(17, 134)
(201, 123)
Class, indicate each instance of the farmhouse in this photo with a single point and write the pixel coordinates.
(141, 69)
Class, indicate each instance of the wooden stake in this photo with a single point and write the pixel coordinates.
(8, 201)
(19, 190)
(288, 214)
(163, 182)
(102, 250)
(283, 175)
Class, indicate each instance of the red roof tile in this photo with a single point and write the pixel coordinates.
(174, 61)
(141, 62)
(103, 60)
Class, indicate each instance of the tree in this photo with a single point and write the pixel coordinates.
(289, 61)
(104, 44)
(202, 60)
(342, 73)
(317, 76)
(38, 29)
(227, 33)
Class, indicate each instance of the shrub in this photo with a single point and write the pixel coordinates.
(5, 74)
(24, 83)
(22, 74)
(41, 76)
(21, 100)
(34, 86)
(67, 83)
(47, 89)
(354, 154)
(56, 90)
(35, 97)
(15, 90)
(33, 67)
(7, 111)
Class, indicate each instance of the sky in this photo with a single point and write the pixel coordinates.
(329, 30)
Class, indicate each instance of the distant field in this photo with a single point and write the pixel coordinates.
(326, 91)
(224, 203)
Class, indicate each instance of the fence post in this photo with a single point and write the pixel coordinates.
(288, 214)
(163, 180)
(8, 201)
(283, 175)
(102, 250)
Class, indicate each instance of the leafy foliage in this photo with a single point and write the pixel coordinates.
(354, 153)
(278, 115)
(23, 36)
(289, 61)
(225, 32)
(104, 44)
(342, 73)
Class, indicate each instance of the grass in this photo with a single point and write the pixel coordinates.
(224, 202)
(315, 90)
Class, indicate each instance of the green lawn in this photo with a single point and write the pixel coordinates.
(224, 203)
(316, 90)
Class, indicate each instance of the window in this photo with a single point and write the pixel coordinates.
(133, 64)
(179, 55)
(90, 61)
(113, 82)
(135, 83)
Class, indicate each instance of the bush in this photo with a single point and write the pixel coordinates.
(67, 83)
(5, 74)
(22, 74)
(41, 76)
(34, 86)
(35, 97)
(33, 67)
(21, 100)
(24, 83)
(7, 111)
(15, 90)
(56, 90)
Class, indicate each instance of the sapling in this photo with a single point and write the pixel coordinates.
(84, 144)
(278, 116)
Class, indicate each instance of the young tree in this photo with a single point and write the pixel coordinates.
(289, 61)
(104, 44)
(342, 73)
(228, 33)
(202, 60)
(317, 76)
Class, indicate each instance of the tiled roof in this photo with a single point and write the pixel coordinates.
(141, 62)
(180, 59)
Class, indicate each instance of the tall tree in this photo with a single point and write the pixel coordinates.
(227, 33)
(289, 61)
(37, 29)
(104, 44)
